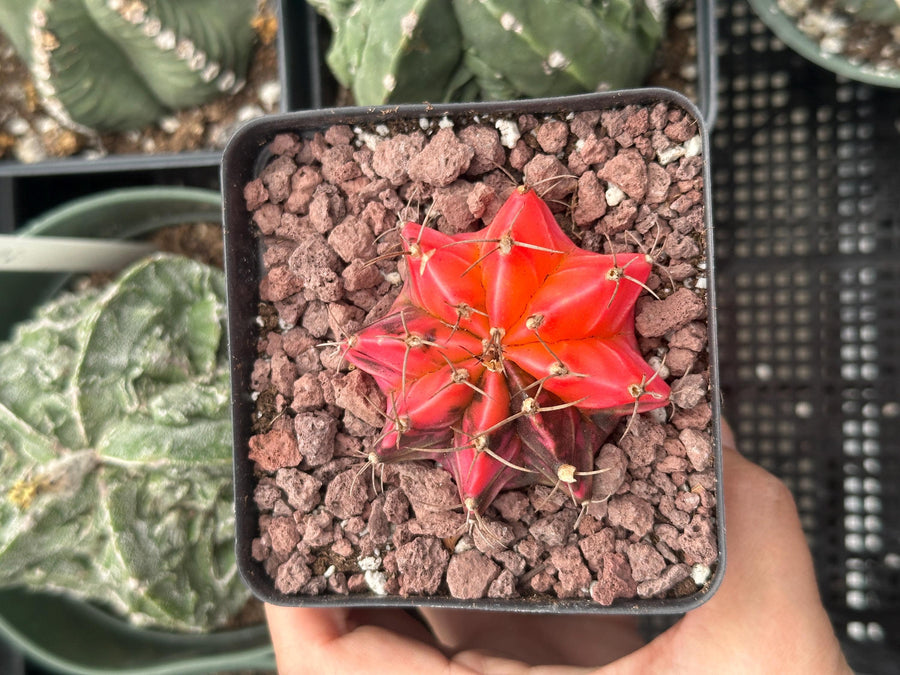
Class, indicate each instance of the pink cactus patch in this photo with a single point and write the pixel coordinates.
(510, 354)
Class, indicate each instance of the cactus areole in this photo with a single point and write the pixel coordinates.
(510, 354)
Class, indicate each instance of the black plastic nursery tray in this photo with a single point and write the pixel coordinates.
(26, 190)
(245, 158)
(805, 175)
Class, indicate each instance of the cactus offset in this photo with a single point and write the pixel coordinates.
(510, 353)
(111, 65)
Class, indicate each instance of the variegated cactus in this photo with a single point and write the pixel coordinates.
(432, 50)
(111, 65)
(509, 355)
(115, 449)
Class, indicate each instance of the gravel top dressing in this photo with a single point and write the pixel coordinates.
(335, 520)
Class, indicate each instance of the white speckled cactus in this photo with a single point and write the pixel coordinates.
(115, 449)
(415, 50)
(111, 65)
(392, 50)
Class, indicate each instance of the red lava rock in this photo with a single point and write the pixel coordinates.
(595, 546)
(485, 142)
(646, 563)
(671, 576)
(422, 563)
(698, 541)
(428, 489)
(681, 130)
(511, 505)
(470, 574)
(643, 440)
(283, 535)
(301, 489)
(317, 530)
(613, 460)
(357, 393)
(627, 170)
(614, 580)
(657, 317)
(553, 530)
(688, 391)
(277, 178)
(396, 506)
(451, 202)
(255, 194)
(504, 586)
(552, 136)
(697, 417)
(554, 179)
(307, 393)
(279, 283)
(440, 524)
(442, 161)
(699, 448)
(591, 204)
(292, 575)
(572, 573)
(632, 513)
(392, 156)
(346, 494)
(692, 336)
(274, 450)
(315, 434)
(680, 361)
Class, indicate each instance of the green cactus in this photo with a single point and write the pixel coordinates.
(112, 65)
(438, 50)
(115, 449)
(877, 11)
(392, 50)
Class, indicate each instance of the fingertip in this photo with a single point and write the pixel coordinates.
(301, 623)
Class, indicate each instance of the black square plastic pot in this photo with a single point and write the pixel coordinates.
(27, 190)
(246, 159)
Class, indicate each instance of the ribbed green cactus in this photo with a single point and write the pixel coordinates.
(392, 50)
(415, 50)
(115, 449)
(111, 65)
(878, 11)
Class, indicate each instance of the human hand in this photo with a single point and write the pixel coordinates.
(766, 617)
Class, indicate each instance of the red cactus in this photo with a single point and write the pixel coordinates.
(510, 353)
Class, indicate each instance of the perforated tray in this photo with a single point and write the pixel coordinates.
(806, 171)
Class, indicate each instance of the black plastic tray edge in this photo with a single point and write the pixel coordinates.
(242, 268)
(294, 73)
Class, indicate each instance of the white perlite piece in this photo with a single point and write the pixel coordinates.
(614, 195)
(700, 573)
(509, 133)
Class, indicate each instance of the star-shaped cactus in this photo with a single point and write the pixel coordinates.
(510, 353)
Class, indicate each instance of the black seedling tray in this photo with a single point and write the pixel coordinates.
(806, 168)
(27, 190)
